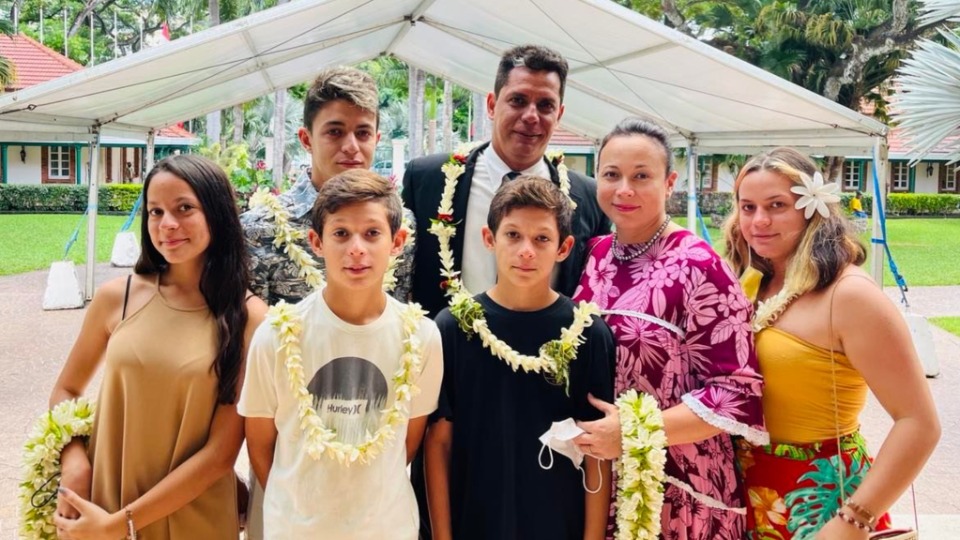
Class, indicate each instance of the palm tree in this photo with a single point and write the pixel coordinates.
(927, 101)
(8, 71)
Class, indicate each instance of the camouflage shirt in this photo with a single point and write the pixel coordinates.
(275, 277)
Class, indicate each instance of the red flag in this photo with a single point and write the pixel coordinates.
(165, 31)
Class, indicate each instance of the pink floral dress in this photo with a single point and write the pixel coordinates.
(683, 334)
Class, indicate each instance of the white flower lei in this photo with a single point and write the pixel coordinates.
(640, 467)
(444, 227)
(286, 236)
(770, 309)
(322, 440)
(41, 462)
(554, 356)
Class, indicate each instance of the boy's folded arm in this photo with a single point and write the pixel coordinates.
(261, 442)
(437, 468)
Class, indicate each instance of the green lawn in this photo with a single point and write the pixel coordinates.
(925, 250)
(950, 324)
(33, 241)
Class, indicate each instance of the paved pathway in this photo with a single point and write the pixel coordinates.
(34, 344)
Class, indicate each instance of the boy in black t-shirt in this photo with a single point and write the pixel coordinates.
(483, 477)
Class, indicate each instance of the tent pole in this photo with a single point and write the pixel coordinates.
(692, 185)
(92, 199)
(151, 149)
(880, 149)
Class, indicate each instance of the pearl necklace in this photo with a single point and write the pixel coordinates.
(629, 252)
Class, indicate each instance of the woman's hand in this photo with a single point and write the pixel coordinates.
(76, 474)
(602, 437)
(837, 529)
(94, 523)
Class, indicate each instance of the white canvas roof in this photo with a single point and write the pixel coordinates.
(621, 64)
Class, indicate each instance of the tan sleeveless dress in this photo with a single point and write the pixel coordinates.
(156, 404)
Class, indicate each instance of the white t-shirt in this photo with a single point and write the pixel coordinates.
(349, 372)
(479, 266)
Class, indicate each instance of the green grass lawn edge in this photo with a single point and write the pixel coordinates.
(950, 324)
(925, 250)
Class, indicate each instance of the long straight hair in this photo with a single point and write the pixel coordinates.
(226, 276)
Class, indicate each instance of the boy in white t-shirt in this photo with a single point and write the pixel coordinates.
(327, 433)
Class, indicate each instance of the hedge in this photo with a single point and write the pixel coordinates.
(58, 198)
(923, 204)
(52, 198)
(898, 204)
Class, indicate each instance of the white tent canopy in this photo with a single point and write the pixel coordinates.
(621, 64)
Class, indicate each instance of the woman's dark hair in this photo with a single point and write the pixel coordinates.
(638, 126)
(226, 275)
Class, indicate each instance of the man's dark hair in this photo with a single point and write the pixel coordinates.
(534, 58)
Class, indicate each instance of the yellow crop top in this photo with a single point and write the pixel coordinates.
(798, 389)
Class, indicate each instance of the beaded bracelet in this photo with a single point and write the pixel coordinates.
(861, 511)
(131, 529)
(853, 521)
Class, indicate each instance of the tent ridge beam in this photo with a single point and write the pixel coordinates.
(281, 58)
(640, 53)
(570, 83)
(258, 62)
(626, 106)
(411, 19)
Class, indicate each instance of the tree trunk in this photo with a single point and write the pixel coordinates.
(213, 118)
(214, 7)
(447, 116)
(81, 17)
(480, 120)
(417, 82)
(238, 124)
(432, 137)
(279, 132)
(279, 142)
(833, 166)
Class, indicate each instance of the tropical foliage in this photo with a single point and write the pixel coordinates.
(929, 97)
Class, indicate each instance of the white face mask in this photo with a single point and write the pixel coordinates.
(559, 438)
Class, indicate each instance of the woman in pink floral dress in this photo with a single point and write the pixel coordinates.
(682, 325)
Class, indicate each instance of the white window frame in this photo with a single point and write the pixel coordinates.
(58, 162)
(899, 176)
(851, 173)
(950, 180)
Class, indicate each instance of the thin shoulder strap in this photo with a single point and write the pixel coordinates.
(836, 405)
(833, 377)
(126, 296)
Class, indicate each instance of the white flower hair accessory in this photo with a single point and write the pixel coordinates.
(815, 195)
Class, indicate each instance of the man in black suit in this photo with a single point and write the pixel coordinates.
(525, 106)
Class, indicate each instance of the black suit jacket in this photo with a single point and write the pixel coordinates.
(423, 184)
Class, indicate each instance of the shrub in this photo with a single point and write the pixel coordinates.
(923, 204)
(46, 198)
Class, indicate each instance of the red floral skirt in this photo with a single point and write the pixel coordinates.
(793, 490)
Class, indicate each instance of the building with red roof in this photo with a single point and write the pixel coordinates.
(57, 162)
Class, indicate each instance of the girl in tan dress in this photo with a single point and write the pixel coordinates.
(172, 339)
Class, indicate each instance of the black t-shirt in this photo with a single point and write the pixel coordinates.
(497, 488)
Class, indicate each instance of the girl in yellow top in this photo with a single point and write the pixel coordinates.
(825, 333)
(171, 341)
